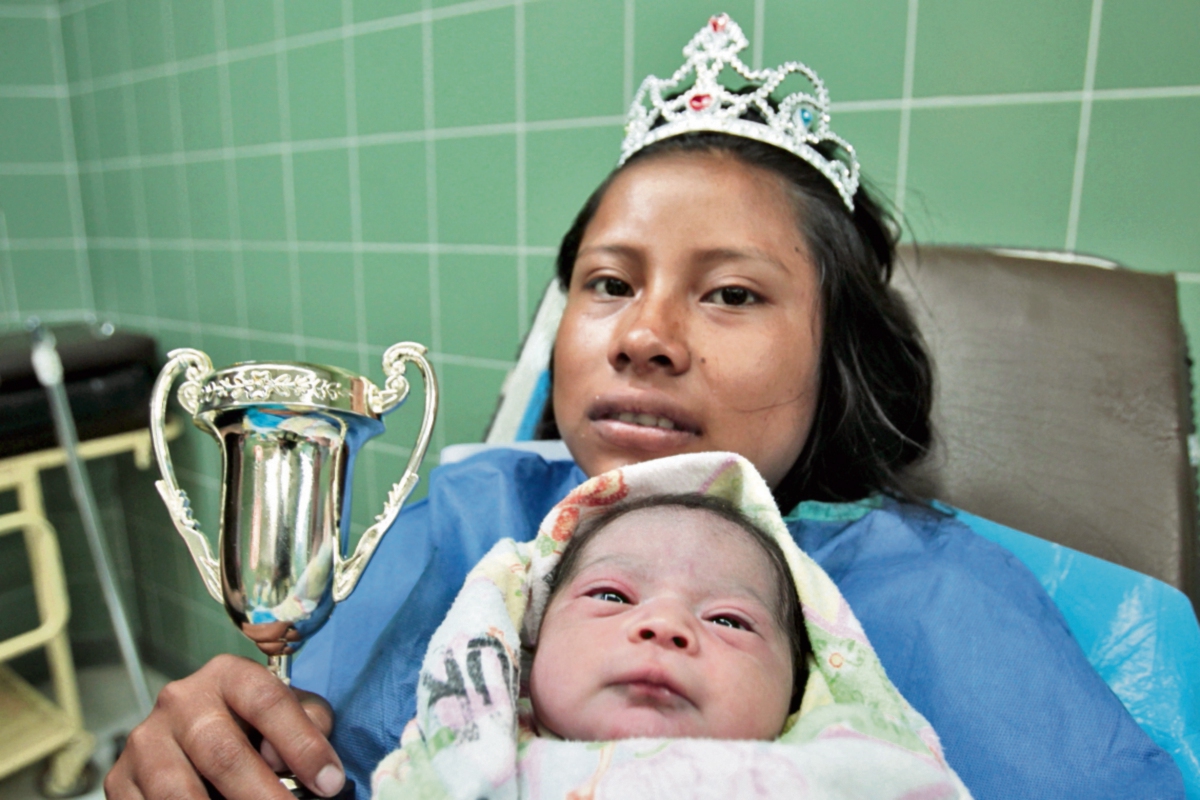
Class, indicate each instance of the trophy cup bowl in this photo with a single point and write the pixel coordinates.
(289, 435)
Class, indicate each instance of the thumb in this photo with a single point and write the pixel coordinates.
(318, 710)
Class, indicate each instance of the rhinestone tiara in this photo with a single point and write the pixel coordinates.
(800, 120)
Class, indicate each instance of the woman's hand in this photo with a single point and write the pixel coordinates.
(202, 726)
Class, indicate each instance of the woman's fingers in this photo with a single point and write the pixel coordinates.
(295, 730)
(199, 725)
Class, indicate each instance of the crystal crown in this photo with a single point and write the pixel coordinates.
(662, 108)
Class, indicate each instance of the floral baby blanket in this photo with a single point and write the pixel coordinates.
(854, 735)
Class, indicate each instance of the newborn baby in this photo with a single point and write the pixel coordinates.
(670, 616)
(662, 635)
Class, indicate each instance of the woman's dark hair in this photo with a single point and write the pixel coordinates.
(788, 613)
(876, 379)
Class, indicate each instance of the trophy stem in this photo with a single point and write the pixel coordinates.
(281, 667)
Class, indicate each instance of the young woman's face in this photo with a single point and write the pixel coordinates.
(693, 320)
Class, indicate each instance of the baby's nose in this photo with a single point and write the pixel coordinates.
(667, 627)
(678, 640)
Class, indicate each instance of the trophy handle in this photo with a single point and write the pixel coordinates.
(197, 365)
(348, 570)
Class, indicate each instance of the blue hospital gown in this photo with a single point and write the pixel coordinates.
(964, 630)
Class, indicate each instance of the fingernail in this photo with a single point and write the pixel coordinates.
(330, 780)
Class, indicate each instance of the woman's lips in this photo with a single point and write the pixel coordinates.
(642, 425)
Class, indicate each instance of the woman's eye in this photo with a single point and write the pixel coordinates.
(609, 596)
(732, 296)
(729, 622)
(611, 287)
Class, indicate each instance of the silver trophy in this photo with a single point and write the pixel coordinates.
(289, 435)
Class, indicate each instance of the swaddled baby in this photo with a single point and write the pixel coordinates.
(662, 636)
(673, 615)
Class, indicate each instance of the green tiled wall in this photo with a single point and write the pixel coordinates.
(317, 179)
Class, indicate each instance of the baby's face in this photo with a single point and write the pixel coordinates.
(668, 628)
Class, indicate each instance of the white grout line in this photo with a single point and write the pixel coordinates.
(34, 91)
(286, 43)
(64, 168)
(760, 13)
(431, 198)
(12, 11)
(181, 179)
(906, 106)
(278, 246)
(350, 88)
(1187, 277)
(225, 102)
(628, 63)
(343, 142)
(83, 267)
(289, 176)
(1085, 124)
(521, 178)
(9, 277)
(75, 6)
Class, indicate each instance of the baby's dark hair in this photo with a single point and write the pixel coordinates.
(788, 613)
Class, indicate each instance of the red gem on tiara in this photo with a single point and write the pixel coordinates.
(699, 102)
(718, 22)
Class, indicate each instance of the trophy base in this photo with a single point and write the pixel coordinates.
(298, 790)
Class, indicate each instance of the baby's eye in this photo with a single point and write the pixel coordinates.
(611, 287)
(732, 296)
(609, 596)
(729, 622)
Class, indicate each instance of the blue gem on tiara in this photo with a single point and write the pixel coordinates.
(666, 107)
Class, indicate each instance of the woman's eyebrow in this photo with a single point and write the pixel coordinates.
(623, 250)
(718, 254)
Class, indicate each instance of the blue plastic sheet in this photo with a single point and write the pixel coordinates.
(1140, 634)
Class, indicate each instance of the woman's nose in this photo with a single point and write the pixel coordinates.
(652, 338)
(667, 628)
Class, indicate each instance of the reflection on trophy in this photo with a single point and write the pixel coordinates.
(289, 434)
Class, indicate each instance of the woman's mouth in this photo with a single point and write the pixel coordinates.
(652, 429)
(645, 420)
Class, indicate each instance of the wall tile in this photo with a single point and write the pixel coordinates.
(248, 22)
(200, 109)
(255, 97)
(112, 132)
(35, 205)
(366, 10)
(998, 175)
(539, 271)
(397, 298)
(563, 168)
(1139, 203)
(327, 298)
(163, 195)
(29, 130)
(476, 186)
(389, 80)
(875, 136)
(1140, 47)
(195, 31)
(145, 23)
(322, 182)
(306, 16)
(816, 33)
(153, 117)
(121, 270)
(479, 305)
(392, 189)
(174, 290)
(208, 200)
(473, 60)
(216, 288)
(25, 52)
(46, 280)
(1018, 46)
(260, 198)
(468, 401)
(316, 90)
(119, 193)
(662, 29)
(106, 38)
(268, 292)
(574, 76)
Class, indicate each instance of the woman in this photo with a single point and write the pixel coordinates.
(727, 290)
